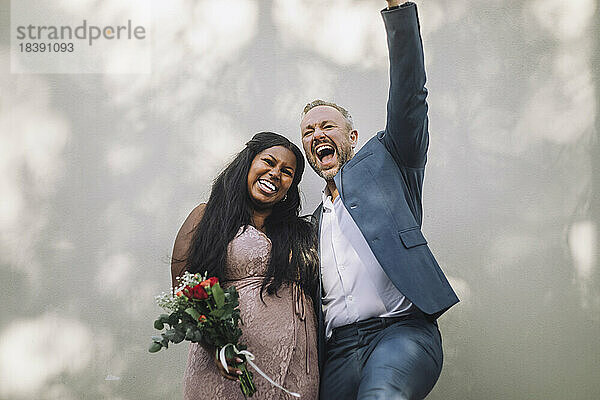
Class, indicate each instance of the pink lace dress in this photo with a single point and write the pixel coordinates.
(281, 332)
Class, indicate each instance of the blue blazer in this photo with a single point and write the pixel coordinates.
(381, 186)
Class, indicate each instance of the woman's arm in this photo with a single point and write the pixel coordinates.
(178, 265)
(183, 242)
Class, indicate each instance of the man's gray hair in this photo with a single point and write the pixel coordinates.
(342, 110)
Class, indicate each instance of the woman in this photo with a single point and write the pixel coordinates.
(249, 235)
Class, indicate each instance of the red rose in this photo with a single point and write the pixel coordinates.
(210, 282)
(196, 292)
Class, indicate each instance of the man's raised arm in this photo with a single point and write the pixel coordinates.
(406, 135)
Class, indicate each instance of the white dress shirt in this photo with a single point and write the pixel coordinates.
(354, 284)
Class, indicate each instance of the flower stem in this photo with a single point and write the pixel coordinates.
(246, 382)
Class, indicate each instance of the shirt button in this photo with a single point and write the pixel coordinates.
(350, 298)
(342, 267)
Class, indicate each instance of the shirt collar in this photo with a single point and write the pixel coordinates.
(326, 197)
(328, 203)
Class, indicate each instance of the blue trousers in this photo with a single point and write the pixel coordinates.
(383, 359)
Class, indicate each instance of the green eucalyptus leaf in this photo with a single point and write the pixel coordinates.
(164, 318)
(170, 334)
(178, 338)
(165, 343)
(197, 337)
(154, 347)
(189, 333)
(173, 319)
(158, 324)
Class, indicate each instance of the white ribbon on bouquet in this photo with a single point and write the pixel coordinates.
(250, 357)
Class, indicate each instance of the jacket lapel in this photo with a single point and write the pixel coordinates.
(317, 215)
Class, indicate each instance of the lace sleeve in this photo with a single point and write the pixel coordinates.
(183, 241)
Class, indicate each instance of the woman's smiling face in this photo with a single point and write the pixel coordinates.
(270, 176)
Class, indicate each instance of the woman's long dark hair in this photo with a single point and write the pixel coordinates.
(293, 252)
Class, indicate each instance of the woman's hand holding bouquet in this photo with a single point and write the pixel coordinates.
(201, 311)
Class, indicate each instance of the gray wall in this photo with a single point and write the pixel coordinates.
(98, 171)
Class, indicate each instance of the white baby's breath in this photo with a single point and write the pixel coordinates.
(170, 301)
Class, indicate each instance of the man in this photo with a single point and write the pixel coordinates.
(381, 287)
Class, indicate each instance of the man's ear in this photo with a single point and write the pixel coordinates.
(353, 135)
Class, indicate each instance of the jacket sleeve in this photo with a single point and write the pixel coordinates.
(406, 134)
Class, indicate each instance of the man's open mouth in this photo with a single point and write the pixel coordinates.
(325, 152)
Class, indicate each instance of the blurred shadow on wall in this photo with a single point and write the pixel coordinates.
(513, 170)
(512, 185)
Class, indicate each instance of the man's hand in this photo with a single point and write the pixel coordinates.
(393, 3)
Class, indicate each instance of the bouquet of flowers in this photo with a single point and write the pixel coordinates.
(201, 311)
